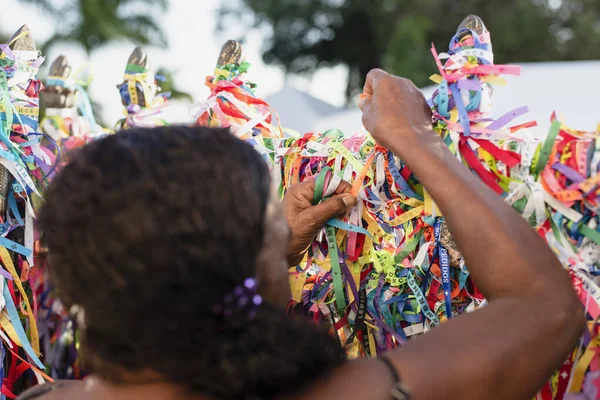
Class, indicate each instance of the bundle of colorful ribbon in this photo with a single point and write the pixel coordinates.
(139, 94)
(567, 165)
(379, 274)
(26, 166)
(462, 105)
(233, 104)
(69, 119)
(386, 271)
(389, 269)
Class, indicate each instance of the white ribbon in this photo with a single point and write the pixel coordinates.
(535, 200)
(197, 109)
(461, 55)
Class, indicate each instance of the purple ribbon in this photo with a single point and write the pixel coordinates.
(469, 84)
(42, 165)
(462, 110)
(378, 320)
(506, 118)
(569, 172)
(353, 288)
(7, 50)
(6, 274)
(134, 109)
(38, 62)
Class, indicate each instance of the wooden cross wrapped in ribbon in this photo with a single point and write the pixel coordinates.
(69, 118)
(462, 105)
(140, 93)
(26, 166)
(233, 103)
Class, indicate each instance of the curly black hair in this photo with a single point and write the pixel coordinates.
(147, 229)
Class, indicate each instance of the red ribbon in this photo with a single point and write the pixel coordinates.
(486, 176)
(510, 158)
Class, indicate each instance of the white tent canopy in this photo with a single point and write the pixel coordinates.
(569, 88)
(298, 110)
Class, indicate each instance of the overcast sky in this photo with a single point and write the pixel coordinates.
(192, 52)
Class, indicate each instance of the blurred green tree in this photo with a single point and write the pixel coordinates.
(94, 23)
(396, 34)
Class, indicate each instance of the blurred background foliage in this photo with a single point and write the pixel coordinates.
(396, 34)
(304, 35)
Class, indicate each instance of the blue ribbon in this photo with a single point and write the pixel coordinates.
(412, 318)
(61, 83)
(399, 179)
(385, 311)
(386, 189)
(445, 266)
(86, 107)
(12, 203)
(13, 315)
(3, 136)
(462, 278)
(476, 41)
(336, 223)
(16, 187)
(396, 299)
(14, 246)
(442, 99)
(23, 119)
(462, 111)
(475, 101)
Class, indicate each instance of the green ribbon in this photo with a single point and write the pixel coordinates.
(544, 156)
(421, 300)
(334, 133)
(555, 229)
(408, 248)
(135, 69)
(336, 270)
(5, 98)
(590, 233)
(320, 185)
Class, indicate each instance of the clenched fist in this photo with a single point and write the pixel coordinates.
(394, 109)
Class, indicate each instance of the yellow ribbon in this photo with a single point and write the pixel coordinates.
(25, 111)
(407, 216)
(372, 345)
(297, 285)
(9, 328)
(142, 79)
(34, 336)
(132, 88)
(582, 366)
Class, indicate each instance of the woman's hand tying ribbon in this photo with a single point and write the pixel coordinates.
(305, 220)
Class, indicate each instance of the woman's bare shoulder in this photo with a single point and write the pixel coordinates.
(355, 380)
(50, 391)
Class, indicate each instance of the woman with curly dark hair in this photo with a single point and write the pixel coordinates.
(170, 248)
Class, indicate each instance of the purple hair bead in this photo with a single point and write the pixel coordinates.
(250, 284)
(242, 298)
